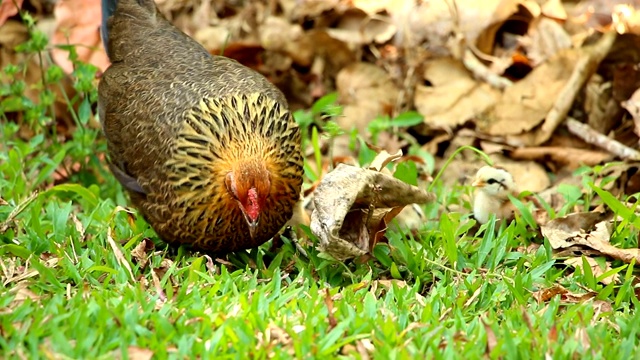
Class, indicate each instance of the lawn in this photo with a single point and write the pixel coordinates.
(83, 275)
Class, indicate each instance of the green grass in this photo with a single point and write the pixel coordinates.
(443, 294)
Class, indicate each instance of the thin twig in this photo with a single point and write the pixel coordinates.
(584, 68)
(588, 134)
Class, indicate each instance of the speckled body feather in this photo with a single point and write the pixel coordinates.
(178, 120)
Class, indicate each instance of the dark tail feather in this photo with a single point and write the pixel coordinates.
(108, 8)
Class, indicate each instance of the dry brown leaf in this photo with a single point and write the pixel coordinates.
(162, 297)
(22, 293)
(376, 6)
(313, 8)
(453, 96)
(359, 28)
(8, 8)
(632, 105)
(479, 24)
(545, 295)
(554, 9)
(274, 336)
(328, 301)
(596, 270)
(277, 34)
(525, 104)
(79, 227)
(138, 353)
(78, 23)
(586, 229)
(140, 254)
(492, 339)
(25, 272)
(366, 91)
(350, 206)
(17, 210)
(431, 22)
(584, 67)
(13, 33)
(383, 158)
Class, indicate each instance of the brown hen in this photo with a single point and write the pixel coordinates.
(206, 147)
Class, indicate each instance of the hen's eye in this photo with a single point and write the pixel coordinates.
(492, 181)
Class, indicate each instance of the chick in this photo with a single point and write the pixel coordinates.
(494, 185)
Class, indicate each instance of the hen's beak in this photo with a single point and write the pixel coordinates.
(252, 223)
(478, 183)
(253, 227)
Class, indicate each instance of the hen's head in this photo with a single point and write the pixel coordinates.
(494, 181)
(250, 184)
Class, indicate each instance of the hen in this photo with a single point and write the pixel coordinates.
(206, 147)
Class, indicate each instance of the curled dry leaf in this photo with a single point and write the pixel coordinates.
(591, 230)
(545, 295)
(482, 23)
(140, 254)
(353, 206)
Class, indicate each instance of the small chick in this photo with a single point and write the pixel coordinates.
(492, 197)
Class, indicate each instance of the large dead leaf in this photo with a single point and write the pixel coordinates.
(361, 28)
(352, 207)
(590, 230)
(366, 92)
(78, 23)
(545, 39)
(524, 105)
(453, 96)
(8, 8)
